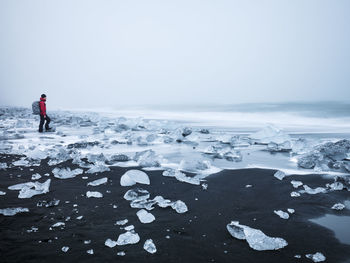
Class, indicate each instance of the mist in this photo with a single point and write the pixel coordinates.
(85, 54)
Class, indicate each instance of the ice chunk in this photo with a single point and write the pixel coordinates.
(145, 217)
(3, 166)
(21, 162)
(136, 194)
(65, 173)
(122, 222)
(129, 228)
(13, 211)
(98, 182)
(179, 206)
(58, 224)
(281, 214)
(294, 194)
(132, 177)
(271, 134)
(98, 167)
(296, 184)
(36, 176)
(128, 238)
(52, 203)
(338, 206)
(279, 175)
(279, 147)
(311, 191)
(147, 158)
(149, 246)
(317, 257)
(194, 166)
(110, 243)
(27, 191)
(336, 186)
(182, 177)
(141, 203)
(93, 194)
(65, 249)
(121, 253)
(118, 158)
(256, 238)
(204, 186)
(2, 193)
(90, 251)
(291, 211)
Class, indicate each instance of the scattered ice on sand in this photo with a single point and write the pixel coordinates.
(98, 182)
(58, 224)
(93, 194)
(65, 173)
(145, 217)
(90, 251)
(294, 194)
(281, 214)
(291, 211)
(122, 222)
(314, 191)
(45, 203)
(317, 257)
(279, 175)
(256, 238)
(13, 211)
(65, 249)
(149, 246)
(110, 243)
(136, 194)
(128, 238)
(2, 193)
(27, 190)
(181, 176)
(99, 167)
(36, 176)
(338, 206)
(132, 177)
(296, 184)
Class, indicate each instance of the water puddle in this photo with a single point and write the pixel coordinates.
(338, 224)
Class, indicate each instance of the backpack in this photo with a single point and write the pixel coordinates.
(36, 108)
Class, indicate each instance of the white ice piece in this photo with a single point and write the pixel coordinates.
(256, 238)
(65, 249)
(294, 194)
(3, 166)
(110, 243)
(281, 214)
(271, 134)
(27, 190)
(279, 175)
(317, 257)
(179, 206)
(98, 182)
(145, 217)
(336, 186)
(65, 173)
(36, 176)
(291, 211)
(93, 194)
(338, 206)
(312, 191)
(136, 194)
(296, 184)
(128, 238)
(2, 193)
(122, 222)
(149, 246)
(182, 177)
(98, 168)
(13, 211)
(132, 177)
(58, 224)
(90, 251)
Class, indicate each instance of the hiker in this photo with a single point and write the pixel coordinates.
(43, 116)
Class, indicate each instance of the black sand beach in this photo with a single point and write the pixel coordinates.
(199, 235)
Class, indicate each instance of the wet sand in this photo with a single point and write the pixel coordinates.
(198, 235)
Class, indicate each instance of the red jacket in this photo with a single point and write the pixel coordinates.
(42, 105)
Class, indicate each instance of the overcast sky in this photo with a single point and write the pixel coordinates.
(108, 53)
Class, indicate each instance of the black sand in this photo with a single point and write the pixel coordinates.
(199, 235)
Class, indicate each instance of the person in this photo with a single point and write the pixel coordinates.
(43, 116)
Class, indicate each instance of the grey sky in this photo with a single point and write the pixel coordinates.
(109, 53)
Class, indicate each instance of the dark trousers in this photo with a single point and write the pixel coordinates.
(42, 120)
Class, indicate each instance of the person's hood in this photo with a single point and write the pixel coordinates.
(42, 99)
